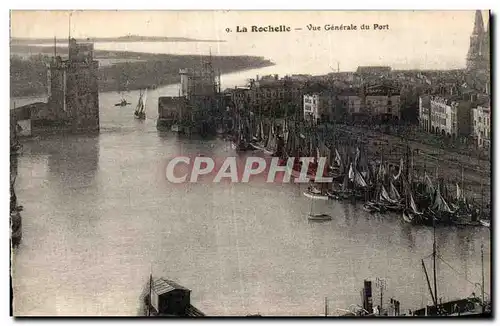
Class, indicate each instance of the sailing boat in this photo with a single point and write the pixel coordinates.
(258, 141)
(462, 307)
(410, 214)
(240, 143)
(271, 145)
(440, 210)
(140, 110)
(337, 168)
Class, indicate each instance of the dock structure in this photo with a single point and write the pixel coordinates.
(73, 97)
(168, 298)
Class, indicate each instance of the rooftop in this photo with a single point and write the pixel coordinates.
(163, 285)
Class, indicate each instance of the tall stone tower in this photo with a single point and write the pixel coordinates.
(73, 91)
(477, 56)
(486, 43)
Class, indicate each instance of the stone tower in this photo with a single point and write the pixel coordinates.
(486, 43)
(73, 90)
(477, 56)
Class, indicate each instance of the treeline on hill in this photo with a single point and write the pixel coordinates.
(28, 76)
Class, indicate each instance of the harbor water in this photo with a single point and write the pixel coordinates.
(99, 216)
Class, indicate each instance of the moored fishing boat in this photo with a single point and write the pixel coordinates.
(312, 195)
(271, 146)
(411, 213)
(319, 217)
(485, 223)
(373, 207)
(258, 141)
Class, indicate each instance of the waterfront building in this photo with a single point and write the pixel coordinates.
(481, 125)
(346, 102)
(424, 109)
(274, 96)
(382, 101)
(314, 107)
(447, 115)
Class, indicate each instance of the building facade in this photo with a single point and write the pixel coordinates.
(445, 115)
(382, 100)
(481, 125)
(424, 112)
(274, 96)
(314, 104)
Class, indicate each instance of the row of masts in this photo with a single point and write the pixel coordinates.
(349, 158)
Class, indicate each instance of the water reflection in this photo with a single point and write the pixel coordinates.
(73, 161)
(407, 233)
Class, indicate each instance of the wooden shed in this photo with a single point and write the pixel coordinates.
(169, 298)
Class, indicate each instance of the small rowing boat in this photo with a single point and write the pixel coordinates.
(311, 195)
(319, 217)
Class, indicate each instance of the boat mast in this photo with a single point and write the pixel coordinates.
(429, 283)
(326, 307)
(150, 290)
(462, 180)
(482, 277)
(434, 260)
(69, 30)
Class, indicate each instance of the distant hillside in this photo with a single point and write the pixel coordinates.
(127, 38)
(28, 76)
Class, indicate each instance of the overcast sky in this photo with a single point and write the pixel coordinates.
(413, 38)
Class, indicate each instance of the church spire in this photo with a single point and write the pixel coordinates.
(478, 24)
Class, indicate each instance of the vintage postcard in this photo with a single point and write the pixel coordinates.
(250, 163)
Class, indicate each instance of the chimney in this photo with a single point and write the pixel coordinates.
(257, 78)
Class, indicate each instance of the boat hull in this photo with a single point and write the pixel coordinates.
(257, 147)
(485, 223)
(319, 217)
(241, 147)
(315, 196)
